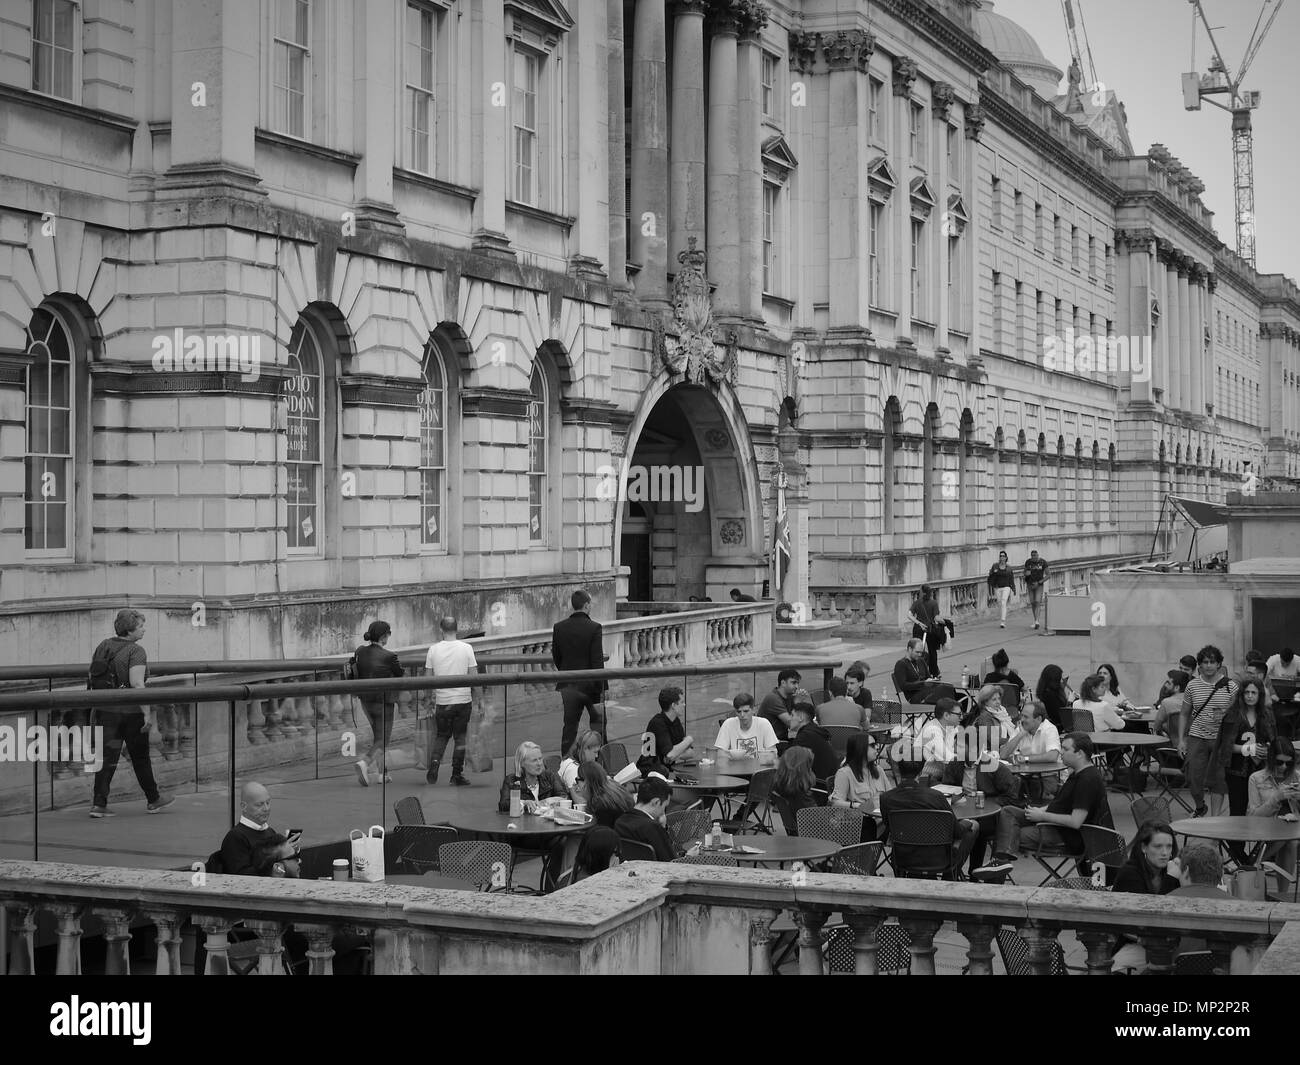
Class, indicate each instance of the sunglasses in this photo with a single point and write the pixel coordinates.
(1284, 761)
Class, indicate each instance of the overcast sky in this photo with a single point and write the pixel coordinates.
(1142, 47)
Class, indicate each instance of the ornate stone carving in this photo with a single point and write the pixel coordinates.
(1140, 239)
(905, 71)
(739, 16)
(803, 51)
(695, 353)
(690, 7)
(848, 49)
(731, 531)
(974, 122)
(943, 95)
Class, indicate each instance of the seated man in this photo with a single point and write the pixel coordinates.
(839, 709)
(644, 823)
(1036, 741)
(1081, 801)
(808, 733)
(746, 731)
(994, 778)
(669, 735)
(778, 704)
(855, 680)
(1201, 873)
(937, 743)
(912, 677)
(911, 794)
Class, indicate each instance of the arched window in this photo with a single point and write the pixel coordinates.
(433, 449)
(539, 420)
(50, 418)
(303, 393)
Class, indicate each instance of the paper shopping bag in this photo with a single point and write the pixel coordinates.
(368, 854)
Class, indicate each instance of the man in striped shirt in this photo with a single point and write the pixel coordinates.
(1208, 696)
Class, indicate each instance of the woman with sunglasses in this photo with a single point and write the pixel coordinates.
(1002, 583)
(861, 781)
(1275, 791)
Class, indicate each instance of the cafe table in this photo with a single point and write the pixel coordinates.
(1119, 740)
(527, 832)
(1253, 830)
(733, 767)
(783, 849)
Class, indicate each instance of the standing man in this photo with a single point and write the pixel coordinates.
(576, 643)
(450, 657)
(1205, 702)
(127, 666)
(1036, 582)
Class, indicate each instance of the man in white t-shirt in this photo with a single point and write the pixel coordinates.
(745, 731)
(1284, 666)
(450, 657)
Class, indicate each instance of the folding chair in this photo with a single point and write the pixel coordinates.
(409, 811)
(750, 814)
(706, 859)
(839, 739)
(924, 844)
(1078, 883)
(1151, 808)
(1015, 954)
(1106, 846)
(1082, 721)
(487, 864)
(688, 826)
(887, 712)
(631, 850)
(1046, 852)
(833, 823)
(417, 846)
(1170, 775)
(613, 757)
(859, 859)
(1196, 963)
(785, 813)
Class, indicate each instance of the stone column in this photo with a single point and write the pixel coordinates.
(686, 158)
(760, 942)
(723, 222)
(1196, 292)
(795, 589)
(750, 150)
(1211, 283)
(167, 923)
(848, 53)
(617, 147)
(488, 125)
(1040, 939)
(922, 946)
(68, 929)
(117, 938)
(374, 87)
(587, 83)
(1174, 333)
(650, 150)
(1189, 342)
(979, 935)
(810, 924)
(942, 98)
(904, 77)
(866, 941)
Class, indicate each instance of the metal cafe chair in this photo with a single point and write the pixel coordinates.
(839, 738)
(923, 844)
(418, 846)
(409, 811)
(631, 850)
(478, 862)
(1015, 954)
(613, 757)
(1170, 775)
(833, 823)
(756, 810)
(706, 859)
(688, 826)
(858, 859)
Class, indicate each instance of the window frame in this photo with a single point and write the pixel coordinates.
(877, 116)
(60, 322)
(541, 477)
(305, 49)
(769, 63)
(436, 134)
(916, 129)
(303, 331)
(74, 51)
(433, 357)
(534, 59)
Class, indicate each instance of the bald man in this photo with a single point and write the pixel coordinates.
(253, 847)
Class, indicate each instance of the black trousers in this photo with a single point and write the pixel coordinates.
(124, 730)
(451, 722)
(575, 701)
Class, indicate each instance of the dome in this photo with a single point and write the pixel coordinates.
(1017, 50)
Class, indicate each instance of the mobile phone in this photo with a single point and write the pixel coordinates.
(294, 832)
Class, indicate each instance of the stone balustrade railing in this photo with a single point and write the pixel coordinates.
(641, 917)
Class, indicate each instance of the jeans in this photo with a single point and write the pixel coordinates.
(1004, 594)
(1036, 598)
(1202, 774)
(124, 729)
(380, 716)
(575, 701)
(451, 722)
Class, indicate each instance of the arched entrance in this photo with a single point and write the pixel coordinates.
(688, 519)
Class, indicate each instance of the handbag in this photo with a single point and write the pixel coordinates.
(1249, 884)
(368, 854)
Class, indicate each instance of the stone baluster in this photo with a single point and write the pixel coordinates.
(747, 633)
(1160, 948)
(922, 946)
(117, 938)
(711, 640)
(866, 928)
(256, 722)
(171, 735)
(1040, 938)
(68, 929)
(979, 935)
(273, 712)
(289, 715)
(760, 942)
(320, 947)
(18, 922)
(187, 714)
(215, 929)
(270, 948)
(340, 710)
(657, 647)
(167, 923)
(810, 924)
(1099, 946)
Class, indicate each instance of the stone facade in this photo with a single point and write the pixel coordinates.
(460, 255)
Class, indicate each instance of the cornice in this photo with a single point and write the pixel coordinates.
(1029, 132)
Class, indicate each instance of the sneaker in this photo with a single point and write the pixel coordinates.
(431, 777)
(1200, 811)
(161, 803)
(459, 779)
(1035, 624)
(388, 778)
(1002, 624)
(100, 811)
(993, 869)
(363, 774)
(1000, 861)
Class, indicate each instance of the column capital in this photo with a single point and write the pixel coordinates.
(1135, 238)
(848, 49)
(975, 118)
(741, 17)
(803, 51)
(690, 7)
(905, 71)
(1211, 280)
(943, 96)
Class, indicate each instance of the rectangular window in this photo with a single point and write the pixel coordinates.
(997, 203)
(1109, 277)
(421, 114)
(875, 109)
(524, 120)
(954, 282)
(998, 334)
(1074, 247)
(767, 79)
(1092, 257)
(770, 195)
(1040, 319)
(874, 229)
(1038, 227)
(918, 269)
(916, 132)
(1019, 214)
(292, 67)
(950, 150)
(54, 47)
(1059, 318)
(1056, 236)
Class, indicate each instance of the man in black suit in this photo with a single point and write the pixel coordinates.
(644, 822)
(911, 794)
(576, 644)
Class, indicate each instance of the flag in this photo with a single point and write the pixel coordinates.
(781, 536)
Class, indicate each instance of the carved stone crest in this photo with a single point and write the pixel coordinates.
(695, 352)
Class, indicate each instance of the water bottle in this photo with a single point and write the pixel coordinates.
(965, 676)
(516, 804)
(716, 839)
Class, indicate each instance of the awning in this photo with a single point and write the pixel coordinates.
(1204, 532)
(1198, 512)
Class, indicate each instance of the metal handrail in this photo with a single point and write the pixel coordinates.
(241, 693)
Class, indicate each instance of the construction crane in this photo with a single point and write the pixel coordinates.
(1220, 82)
(1082, 56)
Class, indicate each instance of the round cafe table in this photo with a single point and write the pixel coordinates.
(1255, 830)
(530, 832)
(966, 810)
(735, 767)
(783, 849)
(1105, 740)
(1036, 769)
(706, 782)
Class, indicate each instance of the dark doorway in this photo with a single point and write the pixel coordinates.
(1274, 624)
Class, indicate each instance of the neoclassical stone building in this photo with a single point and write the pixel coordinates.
(313, 310)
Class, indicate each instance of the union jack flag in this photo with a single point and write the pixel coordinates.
(781, 534)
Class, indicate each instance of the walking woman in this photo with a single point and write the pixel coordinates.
(930, 624)
(375, 660)
(1002, 583)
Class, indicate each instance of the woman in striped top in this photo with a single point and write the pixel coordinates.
(1207, 699)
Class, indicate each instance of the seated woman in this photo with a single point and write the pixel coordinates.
(1093, 698)
(1150, 870)
(531, 777)
(1002, 671)
(605, 800)
(860, 781)
(1112, 694)
(1056, 695)
(993, 715)
(1275, 792)
(585, 749)
(794, 783)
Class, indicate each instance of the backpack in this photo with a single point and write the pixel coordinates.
(103, 668)
(350, 668)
